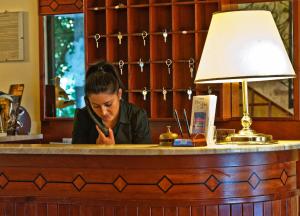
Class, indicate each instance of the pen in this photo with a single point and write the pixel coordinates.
(186, 122)
(178, 122)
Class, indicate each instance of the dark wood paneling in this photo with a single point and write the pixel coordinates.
(52, 130)
(41, 209)
(211, 210)
(258, 208)
(248, 209)
(99, 210)
(224, 210)
(20, 208)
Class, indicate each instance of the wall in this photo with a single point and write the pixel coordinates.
(27, 71)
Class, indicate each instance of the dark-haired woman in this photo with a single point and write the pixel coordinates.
(126, 123)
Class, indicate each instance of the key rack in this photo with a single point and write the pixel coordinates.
(173, 29)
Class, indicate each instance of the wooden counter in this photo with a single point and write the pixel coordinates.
(148, 180)
(30, 138)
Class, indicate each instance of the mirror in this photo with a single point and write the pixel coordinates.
(64, 64)
(271, 98)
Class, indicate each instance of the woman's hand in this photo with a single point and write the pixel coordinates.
(102, 139)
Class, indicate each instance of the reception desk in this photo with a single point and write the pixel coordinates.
(30, 138)
(148, 180)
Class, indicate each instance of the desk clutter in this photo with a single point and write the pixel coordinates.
(201, 131)
(184, 140)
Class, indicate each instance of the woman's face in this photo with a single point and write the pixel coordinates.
(106, 105)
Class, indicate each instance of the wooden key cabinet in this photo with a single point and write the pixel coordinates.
(166, 37)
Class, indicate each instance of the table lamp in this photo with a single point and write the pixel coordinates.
(244, 46)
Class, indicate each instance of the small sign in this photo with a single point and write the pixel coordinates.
(11, 36)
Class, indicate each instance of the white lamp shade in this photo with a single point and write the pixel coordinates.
(243, 45)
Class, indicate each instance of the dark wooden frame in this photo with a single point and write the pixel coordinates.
(51, 126)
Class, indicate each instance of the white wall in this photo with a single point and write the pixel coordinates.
(27, 71)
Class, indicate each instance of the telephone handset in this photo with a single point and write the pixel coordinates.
(93, 116)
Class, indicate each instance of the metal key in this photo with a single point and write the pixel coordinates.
(121, 64)
(189, 92)
(97, 37)
(165, 35)
(144, 35)
(120, 36)
(145, 92)
(164, 91)
(169, 63)
(141, 64)
(209, 90)
(192, 66)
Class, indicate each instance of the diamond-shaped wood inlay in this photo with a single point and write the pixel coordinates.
(165, 184)
(54, 5)
(212, 183)
(3, 180)
(79, 183)
(79, 4)
(254, 180)
(120, 183)
(40, 182)
(283, 177)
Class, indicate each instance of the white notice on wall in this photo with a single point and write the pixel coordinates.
(11, 36)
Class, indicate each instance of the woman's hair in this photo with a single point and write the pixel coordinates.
(102, 77)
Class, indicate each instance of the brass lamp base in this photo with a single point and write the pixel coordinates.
(248, 137)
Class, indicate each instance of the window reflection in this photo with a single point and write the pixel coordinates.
(64, 64)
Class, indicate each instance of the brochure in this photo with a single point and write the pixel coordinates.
(203, 116)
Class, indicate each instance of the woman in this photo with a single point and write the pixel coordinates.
(123, 122)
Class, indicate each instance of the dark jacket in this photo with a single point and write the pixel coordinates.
(131, 128)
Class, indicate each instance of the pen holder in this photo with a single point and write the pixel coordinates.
(193, 141)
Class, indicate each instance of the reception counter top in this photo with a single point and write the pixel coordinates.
(68, 149)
